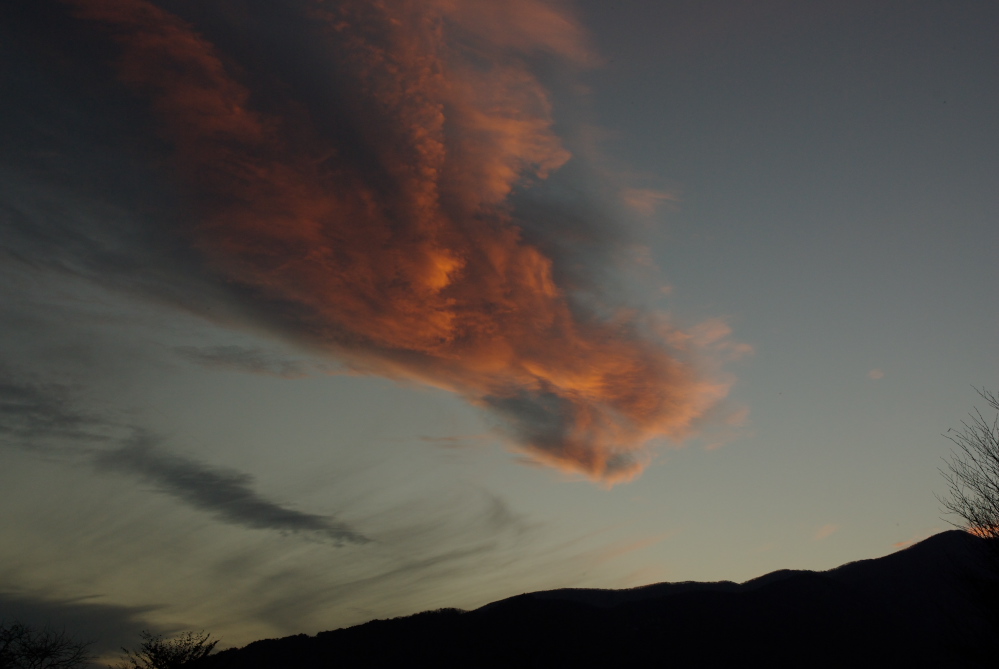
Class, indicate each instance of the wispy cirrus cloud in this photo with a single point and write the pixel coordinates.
(457, 440)
(247, 359)
(647, 200)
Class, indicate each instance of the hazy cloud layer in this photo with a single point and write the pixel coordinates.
(243, 359)
(352, 181)
(426, 553)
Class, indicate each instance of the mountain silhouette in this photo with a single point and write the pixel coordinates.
(924, 606)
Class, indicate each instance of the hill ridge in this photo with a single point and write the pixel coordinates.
(913, 607)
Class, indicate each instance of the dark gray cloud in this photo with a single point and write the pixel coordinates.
(226, 494)
(498, 515)
(243, 359)
(43, 416)
(108, 627)
(82, 194)
(33, 411)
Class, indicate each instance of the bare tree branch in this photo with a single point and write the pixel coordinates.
(972, 472)
(24, 647)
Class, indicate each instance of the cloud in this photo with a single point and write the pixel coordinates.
(226, 494)
(368, 206)
(430, 552)
(915, 539)
(108, 626)
(732, 422)
(646, 200)
(524, 25)
(243, 359)
(615, 551)
(738, 417)
(43, 416)
(825, 531)
(456, 441)
(28, 410)
(33, 413)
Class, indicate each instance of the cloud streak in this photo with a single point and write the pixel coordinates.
(224, 493)
(646, 200)
(243, 359)
(368, 209)
(42, 417)
(33, 413)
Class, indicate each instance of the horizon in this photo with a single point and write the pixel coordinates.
(327, 312)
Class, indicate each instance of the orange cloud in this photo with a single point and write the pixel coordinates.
(825, 531)
(613, 552)
(915, 539)
(387, 237)
(646, 200)
(523, 25)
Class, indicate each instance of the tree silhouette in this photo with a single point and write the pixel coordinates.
(972, 473)
(25, 647)
(157, 652)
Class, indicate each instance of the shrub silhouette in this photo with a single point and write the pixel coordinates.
(157, 652)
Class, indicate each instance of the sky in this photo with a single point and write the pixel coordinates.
(322, 311)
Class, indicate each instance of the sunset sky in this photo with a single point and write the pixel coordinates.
(320, 311)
